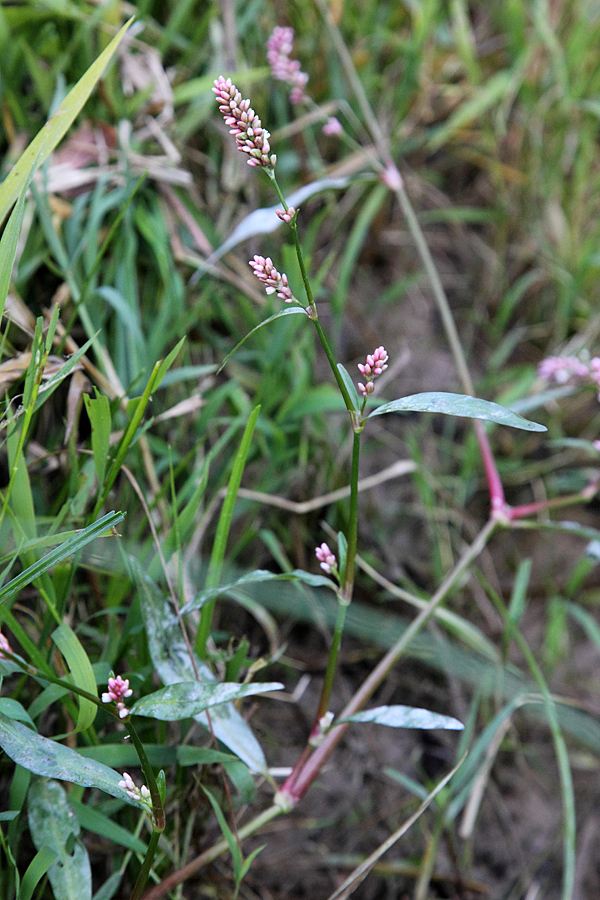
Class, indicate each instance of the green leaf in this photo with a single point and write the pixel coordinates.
(289, 311)
(405, 717)
(204, 596)
(171, 660)
(350, 386)
(457, 405)
(45, 757)
(53, 825)
(35, 871)
(8, 245)
(98, 410)
(81, 669)
(13, 709)
(56, 127)
(188, 698)
(73, 545)
(93, 820)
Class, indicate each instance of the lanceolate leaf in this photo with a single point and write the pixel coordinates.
(457, 405)
(53, 825)
(53, 760)
(188, 698)
(172, 661)
(405, 717)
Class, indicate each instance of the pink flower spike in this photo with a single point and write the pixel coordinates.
(274, 281)
(375, 364)
(118, 690)
(326, 558)
(332, 127)
(250, 136)
(283, 68)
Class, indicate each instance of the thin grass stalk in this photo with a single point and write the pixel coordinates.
(220, 543)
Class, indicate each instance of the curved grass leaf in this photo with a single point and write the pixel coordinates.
(52, 760)
(81, 669)
(457, 405)
(54, 826)
(59, 554)
(188, 698)
(204, 596)
(289, 311)
(405, 717)
(56, 127)
(35, 871)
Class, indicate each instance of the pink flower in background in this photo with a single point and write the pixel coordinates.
(562, 368)
(375, 364)
(332, 126)
(118, 689)
(274, 281)
(283, 67)
(326, 558)
(4, 646)
(243, 122)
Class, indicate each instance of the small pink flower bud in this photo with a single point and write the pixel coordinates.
(332, 127)
(375, 364)
(286, 215)
(326, 558)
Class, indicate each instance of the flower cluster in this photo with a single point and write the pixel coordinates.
(4, 646)
(283, 67)
(142, 795)
(326, 558)
(273, 280)
(375, 364)
(250, 136)
(286, 215)
(564, 368)
(118, 689)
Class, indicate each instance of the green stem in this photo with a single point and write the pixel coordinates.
(354, 416)
(144, 872)
(352, 536)
(158, 809)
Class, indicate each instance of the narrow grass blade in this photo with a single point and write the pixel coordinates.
(54, 130)
(59, 554)
(218, 551)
